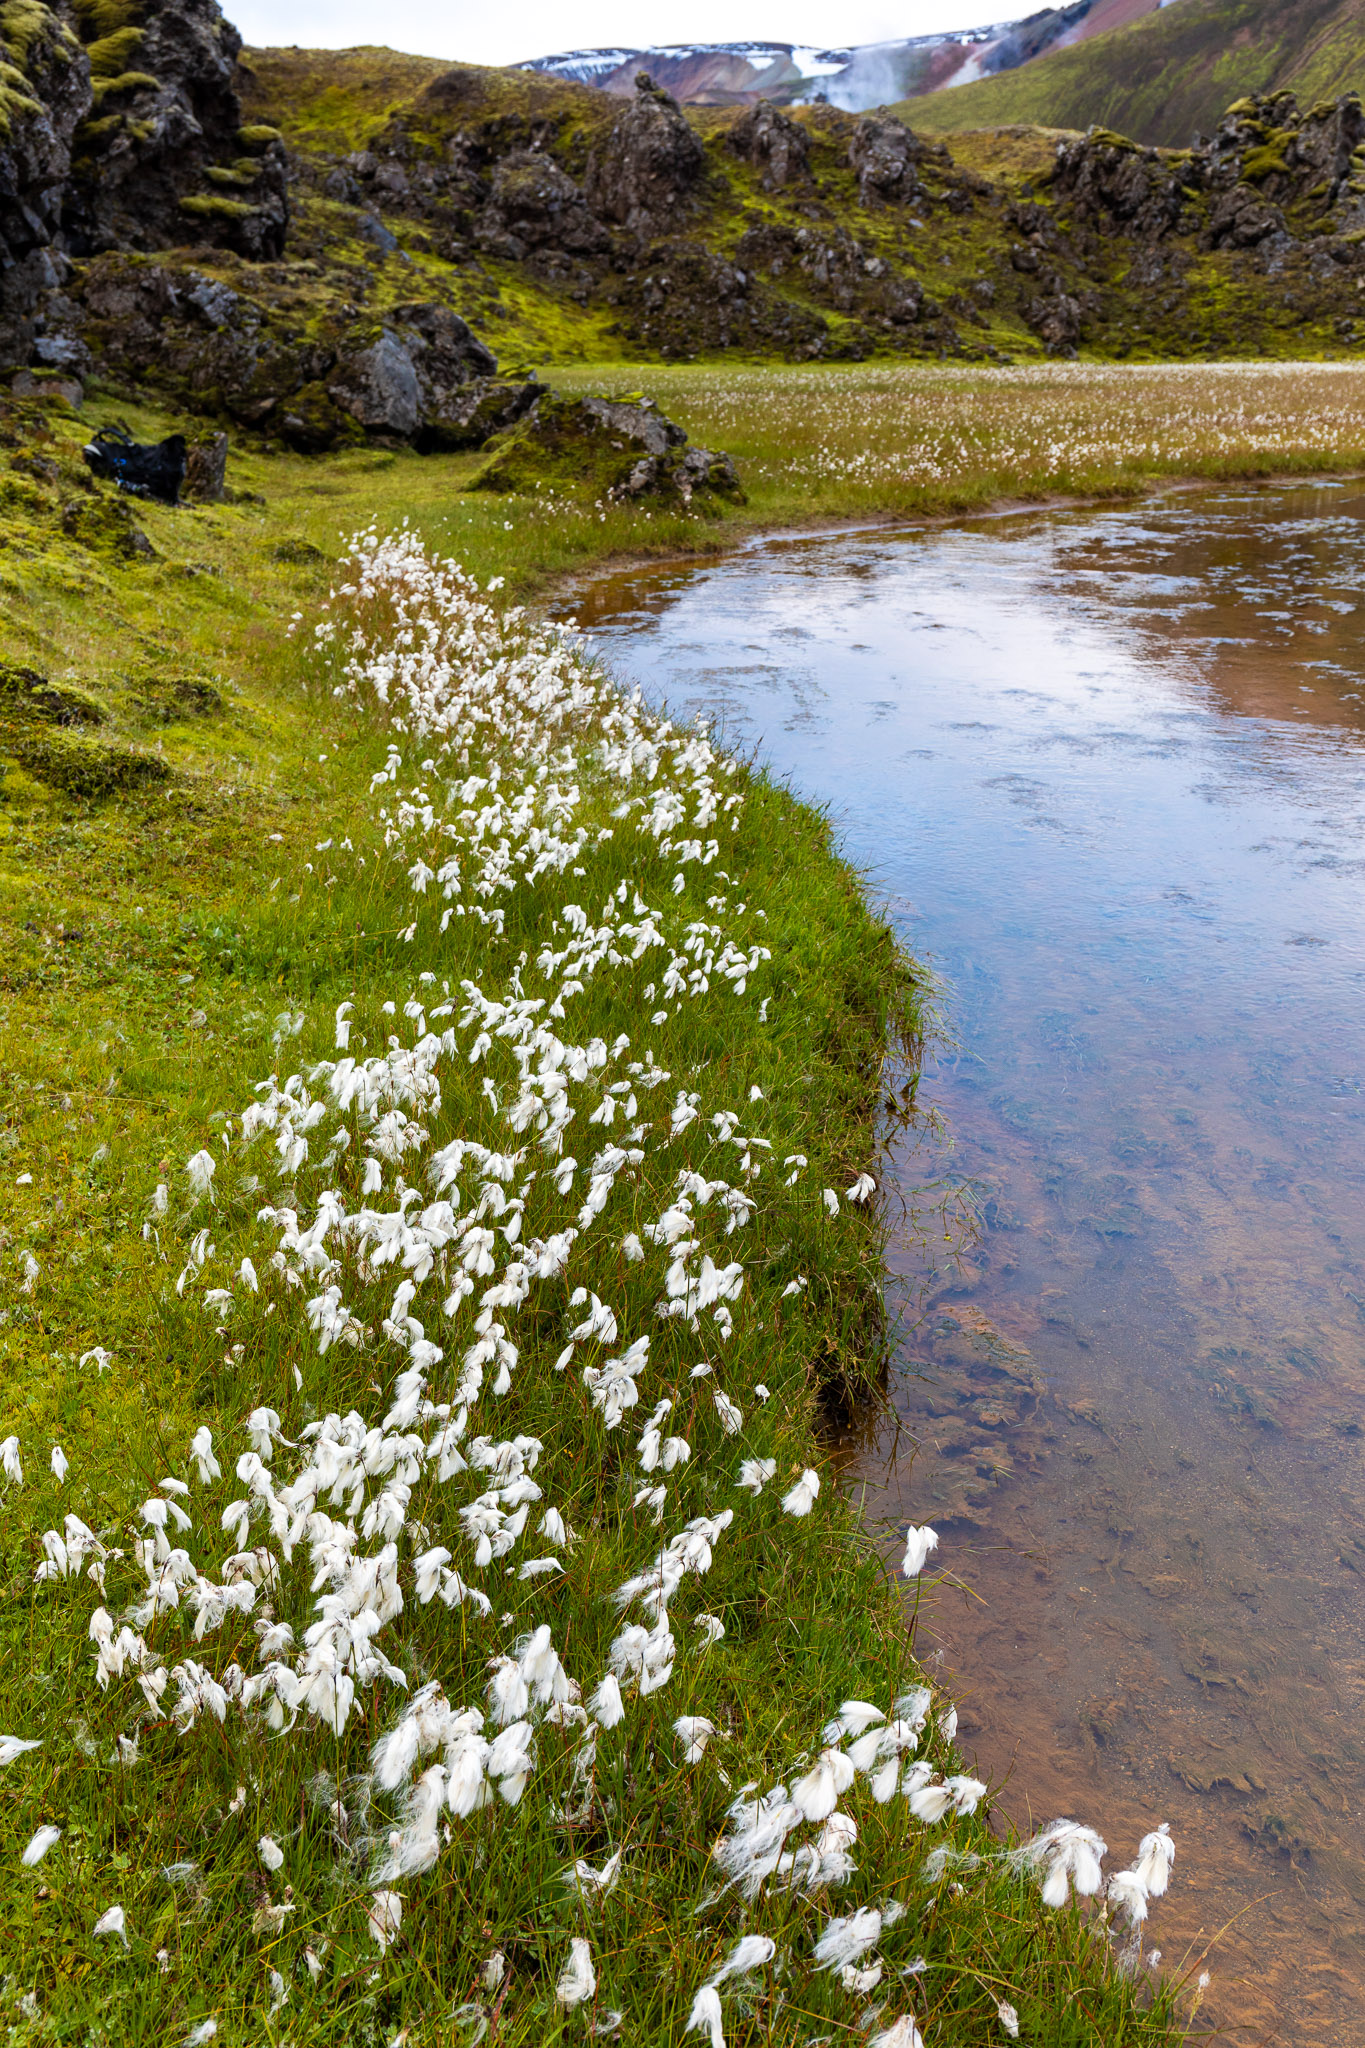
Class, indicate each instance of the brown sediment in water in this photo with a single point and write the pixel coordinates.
(1110, 770)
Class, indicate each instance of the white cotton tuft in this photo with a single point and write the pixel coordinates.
(903, 2034)
(802, 1497)
(1128, 1895)
(750, 1952)
(606, 1704)
(848, 1937)
(271, 1854)
(817, 1794)
(1156, 1854)
(41, 1843)
(12, 1746)
(385, 1917)
(705, 2017)
(918, 1545)
(578, 1978)
(694, 1731)
(1009, 2018)
(201, 1451)
(61, 1464)
(112, 1922)
(199, 1171)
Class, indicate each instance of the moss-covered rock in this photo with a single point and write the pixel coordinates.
(82, 767)
(604, 449)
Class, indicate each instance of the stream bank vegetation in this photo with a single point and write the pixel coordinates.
(441, 1097)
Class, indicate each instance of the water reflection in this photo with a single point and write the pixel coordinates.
(1108, 769)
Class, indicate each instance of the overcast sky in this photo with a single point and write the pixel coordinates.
(503, 34)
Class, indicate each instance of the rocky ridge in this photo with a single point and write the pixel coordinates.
(332, 286)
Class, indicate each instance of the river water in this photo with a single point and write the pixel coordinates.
(1107, 768)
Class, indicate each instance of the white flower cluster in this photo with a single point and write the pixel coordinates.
(540, 1318)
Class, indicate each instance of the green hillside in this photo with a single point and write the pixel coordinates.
(1171, 74)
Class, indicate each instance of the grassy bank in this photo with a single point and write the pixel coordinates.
(190, 926)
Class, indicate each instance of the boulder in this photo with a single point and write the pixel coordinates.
(377, 386)
(777, 146)
(206, 470)
(644, 177)
(533, 204)
(1057, 322)
(886, 156)
(605, 449)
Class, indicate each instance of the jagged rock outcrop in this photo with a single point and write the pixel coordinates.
(121, 128)
(687, 299)
(777, 146)
(45, 94)
(644, 177)
(420, 374)
(1267, 172)
(164, 161)
(533, 205)
(886, 156)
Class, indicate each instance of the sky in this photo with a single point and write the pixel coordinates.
(505, 34)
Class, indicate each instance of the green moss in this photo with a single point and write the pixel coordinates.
(27, 696)
(24, 24)
(112, 56)
(126, 81)
(258, 135)
(99, 18)
(80, 767)
(223, 174)
(210, 206)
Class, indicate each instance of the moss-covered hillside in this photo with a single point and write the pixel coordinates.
(1169, 76)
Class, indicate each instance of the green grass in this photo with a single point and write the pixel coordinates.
(149, 939)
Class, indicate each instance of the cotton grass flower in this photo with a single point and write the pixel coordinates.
(199, 1171)
(14, 1746)
(60, 1464)
(919, 1544)
(40, 1844)
(706, 2016)
(1156, 1855)
(693, 1731)
(802, 1496)
(1127, 1894)
(112, 1921)
(1009, 2018)
(902, 2033)
(578, 1978)
(270, 1852)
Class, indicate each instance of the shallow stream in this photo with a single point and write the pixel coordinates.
(1108, 770)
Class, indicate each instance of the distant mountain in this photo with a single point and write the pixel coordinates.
(1168, 77)
(854, 77)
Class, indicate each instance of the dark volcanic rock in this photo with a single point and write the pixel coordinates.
(777, 146)
(645, 176)
(420, 374)
(533, 204)
(886, 156)
(1056, 322)
(40, 119)
(1266, 163)
(687, 300)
